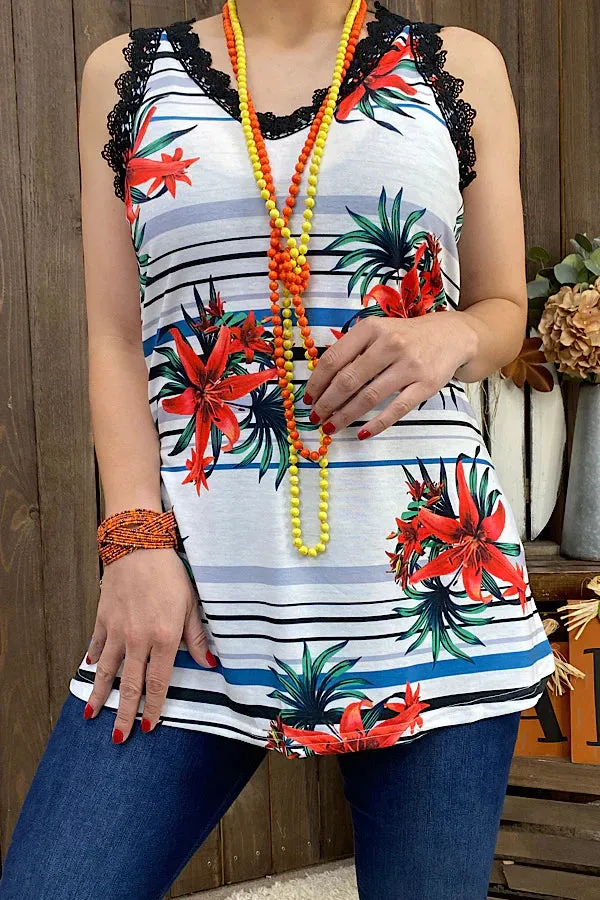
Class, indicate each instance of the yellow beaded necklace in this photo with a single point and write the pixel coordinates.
(290, 265)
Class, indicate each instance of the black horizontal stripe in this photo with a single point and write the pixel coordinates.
(234, 257)
(455, 387)
(313, 620)
(256, 711)
(399, 424)
(523, 618)
(156, 72)
(285, 605)
(149, 98)
(244, 636)
(231, 276)
(166, 54)
(233, 240)
(497, 696)
(211, 698)
(211, 724)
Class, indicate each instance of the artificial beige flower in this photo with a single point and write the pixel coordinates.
(570, 330)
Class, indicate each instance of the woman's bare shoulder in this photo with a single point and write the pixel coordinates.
(478, 61)
(470, 52)
(103, 65)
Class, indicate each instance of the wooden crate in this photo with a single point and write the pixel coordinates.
(549, 841)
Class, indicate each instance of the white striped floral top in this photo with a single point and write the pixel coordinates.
(419, 614)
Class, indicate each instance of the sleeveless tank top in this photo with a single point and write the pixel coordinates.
(419, 613)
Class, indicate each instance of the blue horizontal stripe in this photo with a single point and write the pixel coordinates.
(337, 464)
(418, 106)
(326, 316)
(447, 668)
(198, 118)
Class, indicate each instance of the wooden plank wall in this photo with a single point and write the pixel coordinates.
(290, 814)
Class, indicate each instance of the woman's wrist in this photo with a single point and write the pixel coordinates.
(468, 342)
(132, 500)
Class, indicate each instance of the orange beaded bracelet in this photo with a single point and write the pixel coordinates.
(132, 529)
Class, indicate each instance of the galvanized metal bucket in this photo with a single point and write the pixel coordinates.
(581, 525)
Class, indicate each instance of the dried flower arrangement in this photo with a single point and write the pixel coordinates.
(564, 307)
(582, 612)
(560, 679)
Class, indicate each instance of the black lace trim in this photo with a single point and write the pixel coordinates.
(430, 59)
(130, 85)
(382, 31)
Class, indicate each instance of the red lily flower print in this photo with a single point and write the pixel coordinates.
(247, 338)
(413, 298)
(207, 397)
(405, 303)
(140, 168)
(378, 88)
(216, 306)
(208, 318)
(522, 584)
(472, 545)
(354, 736)
(433, 285)
(276, 740)
(172, 169)
(410, 708)
(409, 536)
(425, 490)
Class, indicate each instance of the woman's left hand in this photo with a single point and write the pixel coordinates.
(382, 355)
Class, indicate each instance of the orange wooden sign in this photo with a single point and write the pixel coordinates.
(585, 700)
(545, 729)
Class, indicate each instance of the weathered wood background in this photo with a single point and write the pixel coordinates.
(290, 814)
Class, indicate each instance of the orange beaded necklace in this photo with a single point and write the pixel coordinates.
(288, 264)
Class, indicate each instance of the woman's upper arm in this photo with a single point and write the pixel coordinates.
(492, 244)
(111, 270)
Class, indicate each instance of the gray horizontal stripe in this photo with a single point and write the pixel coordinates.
(193, 214)
(291, 575)
(418, 653)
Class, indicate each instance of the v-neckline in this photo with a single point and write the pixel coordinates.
(382, 31)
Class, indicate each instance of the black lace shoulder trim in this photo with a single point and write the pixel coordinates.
(130, 84)
(197, 61)
(430, 59)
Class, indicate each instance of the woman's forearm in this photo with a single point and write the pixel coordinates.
(125, 437)
(499, 329)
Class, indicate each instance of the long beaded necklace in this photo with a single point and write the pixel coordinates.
(288, 264)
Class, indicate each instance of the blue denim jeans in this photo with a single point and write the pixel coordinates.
(120, 821)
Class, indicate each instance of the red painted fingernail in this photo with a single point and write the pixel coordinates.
(88, 660)
(328, 427)
(363, 433)
(88, 711)
(211, 659)
(307, 398)
(314, 417)
(118, 737)
(146, 724)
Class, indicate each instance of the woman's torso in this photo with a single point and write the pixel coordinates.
(306, 643)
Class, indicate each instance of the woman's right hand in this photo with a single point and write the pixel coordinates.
(147, 606)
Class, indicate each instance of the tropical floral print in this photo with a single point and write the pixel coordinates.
(205, 387)
(458, 225)
(466, 544)
(384, 87)
(308, 696)
(163, 173)
(143, 257)
(421, 290)
(386, 250)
